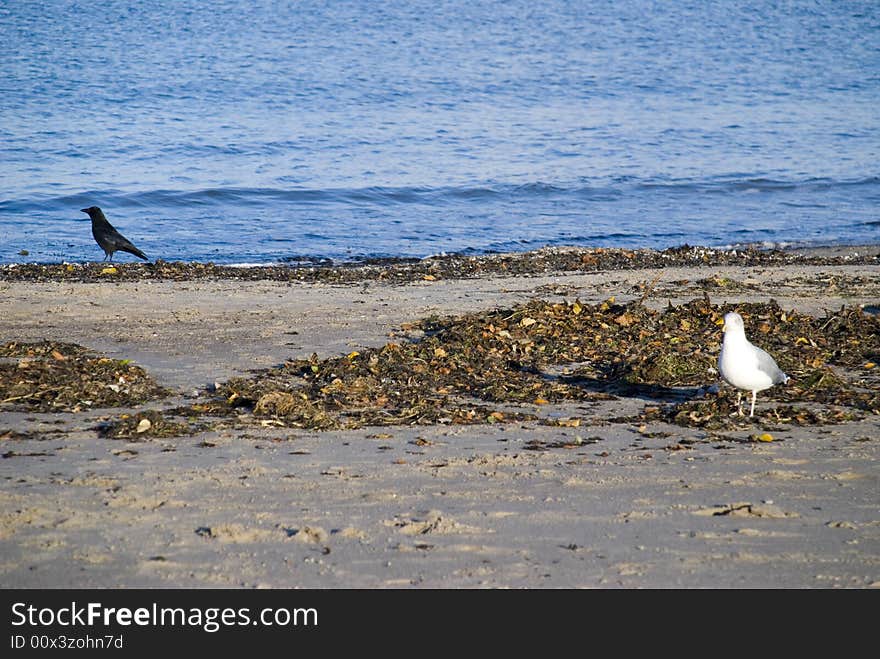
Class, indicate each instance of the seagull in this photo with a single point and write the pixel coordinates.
(745, 366)
(109, 238)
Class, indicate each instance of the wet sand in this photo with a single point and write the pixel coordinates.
(503, 505)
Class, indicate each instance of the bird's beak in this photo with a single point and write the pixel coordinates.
(83, 210)
(720, 322)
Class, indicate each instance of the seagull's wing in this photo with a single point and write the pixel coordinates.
(766, 364)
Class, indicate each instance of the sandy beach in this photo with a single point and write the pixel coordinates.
(614, 500)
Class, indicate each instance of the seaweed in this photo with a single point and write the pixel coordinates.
(452, 266)
(495, 366)
(51, 376)
(500, 365)
(148, 424)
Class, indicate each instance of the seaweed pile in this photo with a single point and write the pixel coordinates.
(494, 366)
(832, 363)
(454, 266)
(64, 377)
(147, 424)
(501, 365)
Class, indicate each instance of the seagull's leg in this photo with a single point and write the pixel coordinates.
(754, 396)
(739, 398)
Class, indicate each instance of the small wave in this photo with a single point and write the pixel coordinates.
(380, 196)
(759, 184)
(377, 196)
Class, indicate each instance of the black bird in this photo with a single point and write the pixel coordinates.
(109, 238)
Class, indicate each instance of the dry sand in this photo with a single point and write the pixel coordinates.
(429, 506)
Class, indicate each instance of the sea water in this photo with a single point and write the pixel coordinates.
(267, 131)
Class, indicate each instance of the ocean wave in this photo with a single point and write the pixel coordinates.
(420, 195)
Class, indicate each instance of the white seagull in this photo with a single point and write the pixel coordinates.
(745, 366)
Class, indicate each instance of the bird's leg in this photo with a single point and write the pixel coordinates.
(754, 396)
(739, 397)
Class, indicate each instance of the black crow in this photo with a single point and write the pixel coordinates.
(109, 238)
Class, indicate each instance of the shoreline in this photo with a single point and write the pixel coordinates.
(548, 260)
(609, 502)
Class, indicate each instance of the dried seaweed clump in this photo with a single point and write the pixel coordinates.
(458, 266)
(64, 377)
(475, 368)
(149, 424)
(470, 369)
(831, 362)
(718, 412)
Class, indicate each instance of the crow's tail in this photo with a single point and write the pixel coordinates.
(131, 249)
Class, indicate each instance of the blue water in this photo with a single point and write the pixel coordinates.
(259, 131)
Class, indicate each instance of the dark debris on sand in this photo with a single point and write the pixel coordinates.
(456, 266)
(50, 376)
(495, 366)
(148, 424)
(504, 365)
